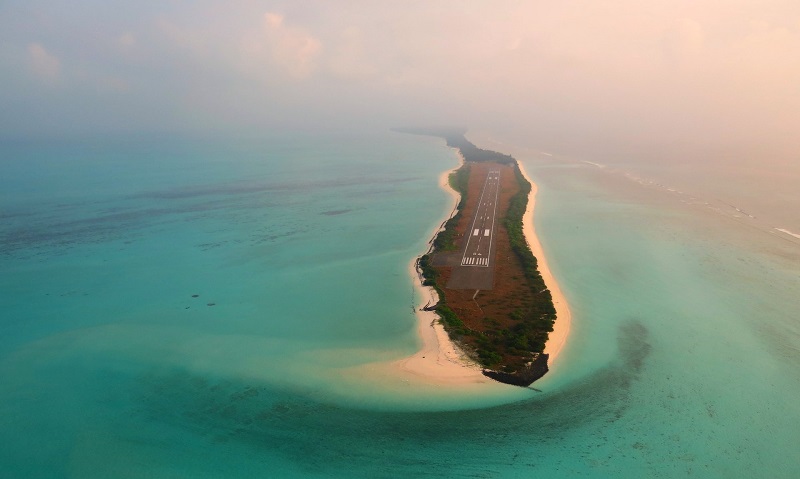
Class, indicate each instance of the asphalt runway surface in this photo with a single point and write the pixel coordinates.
(474, 268)
(478, 250)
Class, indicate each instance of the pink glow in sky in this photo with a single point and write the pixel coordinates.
(690, 71)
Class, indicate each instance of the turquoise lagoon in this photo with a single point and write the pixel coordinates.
(684, 358)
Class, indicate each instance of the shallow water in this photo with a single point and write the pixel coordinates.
(684, 358)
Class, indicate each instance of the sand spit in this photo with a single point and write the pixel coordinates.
(440, 360)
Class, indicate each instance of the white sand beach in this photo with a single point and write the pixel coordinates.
(439, 360)
(558, 337)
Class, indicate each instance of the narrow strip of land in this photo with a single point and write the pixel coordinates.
(492, 299)
(470, 335)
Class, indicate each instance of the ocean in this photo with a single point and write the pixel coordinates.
(188, 307)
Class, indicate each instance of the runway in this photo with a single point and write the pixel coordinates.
(478, 250)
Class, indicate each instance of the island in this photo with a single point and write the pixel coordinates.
(493, 301)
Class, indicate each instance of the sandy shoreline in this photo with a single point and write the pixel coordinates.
(439, 360)
(558, 337)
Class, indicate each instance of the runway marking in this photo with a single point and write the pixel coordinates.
(484, 262)
(496, 196)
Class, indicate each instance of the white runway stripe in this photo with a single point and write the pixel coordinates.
(474, 261)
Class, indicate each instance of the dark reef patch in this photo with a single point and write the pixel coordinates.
(335, 212)
(254, 187)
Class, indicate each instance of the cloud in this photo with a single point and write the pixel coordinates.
(43, 64)
(274, 20)
(676, 70)
(685, 40)
(186, 38)
(293, 49)
(113, 83)
(348, 59)
(126, 40)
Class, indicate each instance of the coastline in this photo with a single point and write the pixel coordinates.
(439, 360)
(558, 337)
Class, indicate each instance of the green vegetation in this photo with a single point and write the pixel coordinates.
(450, 319)
(455, 139)
(429, 274)
(459, 181)
(542, 313)
(473, 153)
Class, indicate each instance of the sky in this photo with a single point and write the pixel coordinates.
(624, 74)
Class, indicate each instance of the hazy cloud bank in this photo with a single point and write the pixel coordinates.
(694, 72)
